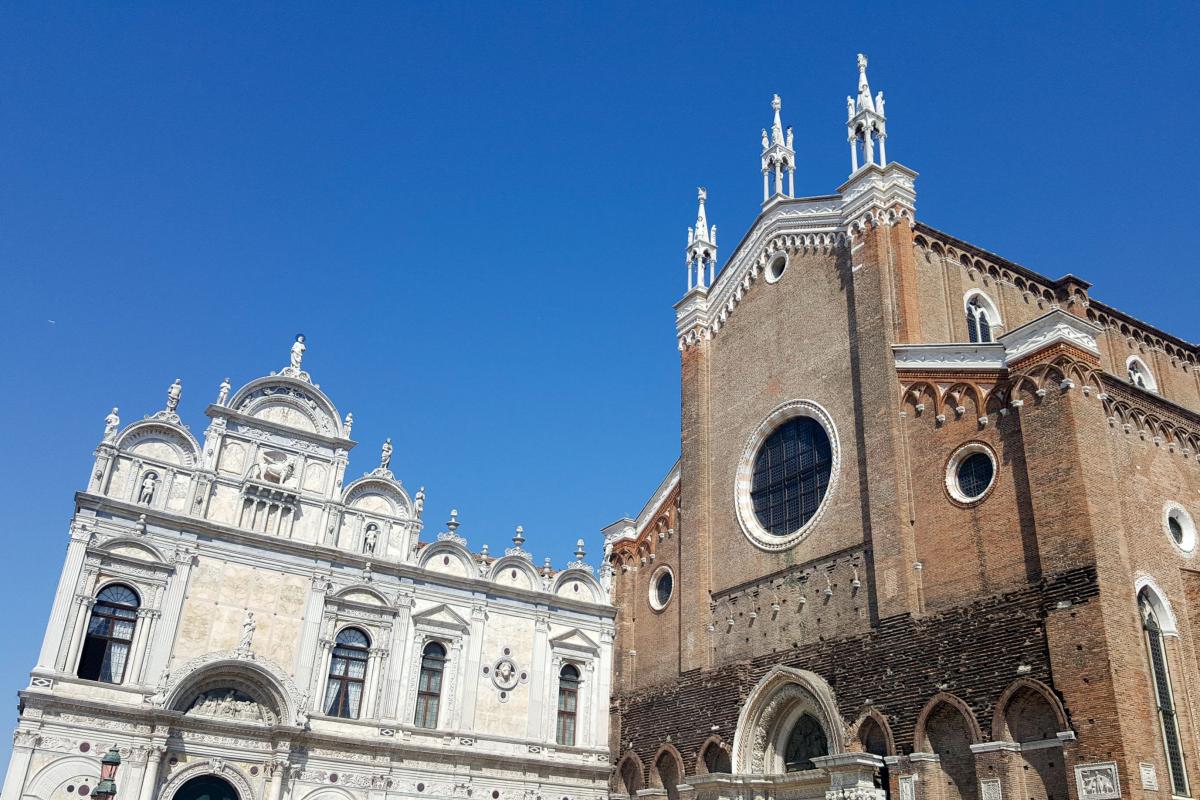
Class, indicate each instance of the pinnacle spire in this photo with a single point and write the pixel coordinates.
(702, 246)
(866, 125)
(778, 156)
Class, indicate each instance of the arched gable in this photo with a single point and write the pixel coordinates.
(290, 402)
(363, 594)
(578, 584)
(448, 557)
(266, 682)
(160, 440)
(129, 547)
(375, 494)
(515, 571)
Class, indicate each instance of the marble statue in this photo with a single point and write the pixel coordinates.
(275, 468)
(298, 349)
(111, 423)
(419, 501)
(248, 627)
(223, 394)
(349, 423)
(849, 106)
(174, 392)
(879, 102)
(766, 142)
(149, 483)
(370, 539)
(385, 455)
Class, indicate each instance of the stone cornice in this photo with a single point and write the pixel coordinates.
(1053, 329)
(310, 551)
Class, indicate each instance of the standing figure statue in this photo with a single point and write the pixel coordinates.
(174, 392)
(298, 349)
(223, 394)
(111, 423)
(385, 454)
(148, 484)
(349, 423)
(370, 539)
(419, 501)
(248, 627)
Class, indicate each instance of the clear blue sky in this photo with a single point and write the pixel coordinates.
(477, 215)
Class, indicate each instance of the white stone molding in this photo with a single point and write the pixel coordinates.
(1054, 327)
(211, 766)
(950, 356)
(743, 477)
(773, 705)
(1159, 601)
(261, 672)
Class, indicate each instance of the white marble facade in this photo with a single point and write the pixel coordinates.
(237, 563)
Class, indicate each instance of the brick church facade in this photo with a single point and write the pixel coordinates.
(931, 530)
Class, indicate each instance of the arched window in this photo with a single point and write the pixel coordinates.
(979, 321)
(347, 672)
(568, 705)
(1164, 697)
(791, 474)
(429, 688)
(1140, 375)
(109, 634)
(806, 742)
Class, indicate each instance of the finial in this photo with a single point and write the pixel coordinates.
(776, 103)
(453, 523)
(862, 63)
(579, 552)
(483, 551)
(701, 194)
(546, 567)
(519, 537)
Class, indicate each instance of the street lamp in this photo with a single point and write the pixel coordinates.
(107, 787)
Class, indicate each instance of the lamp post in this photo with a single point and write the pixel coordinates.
(107, 787)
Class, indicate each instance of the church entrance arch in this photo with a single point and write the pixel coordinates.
(206, 787)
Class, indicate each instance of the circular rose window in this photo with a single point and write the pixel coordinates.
(788, 468)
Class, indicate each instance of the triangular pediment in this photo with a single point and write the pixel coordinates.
(575, 640)
(441, 616)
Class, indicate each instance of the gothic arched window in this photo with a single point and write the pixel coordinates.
(979, 321)
(806, 742)
(109, 634)
(791, 474)
(347, 673)
(1140, 375)
(429, 687)
(568, 705)
(1164, 697)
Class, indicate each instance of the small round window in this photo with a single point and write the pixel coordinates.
(970, 473)
(1180, 527)
(662, 586)
(776, 266)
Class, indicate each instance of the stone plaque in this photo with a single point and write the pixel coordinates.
(989, 789)
(906, 787)
(1149, 776)
(1098, 781)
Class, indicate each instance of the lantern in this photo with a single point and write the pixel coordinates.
(107, 787)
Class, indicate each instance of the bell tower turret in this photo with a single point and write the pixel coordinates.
(865, 123)
(701, 247)
(778, 157)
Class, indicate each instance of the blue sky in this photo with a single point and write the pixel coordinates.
(477, 215)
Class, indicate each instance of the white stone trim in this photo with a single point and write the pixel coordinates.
(1161, 603)
(952, 465)
(990, 356)
(1174, 511)
(653, 593)
(743, 478)
(1147, 374)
